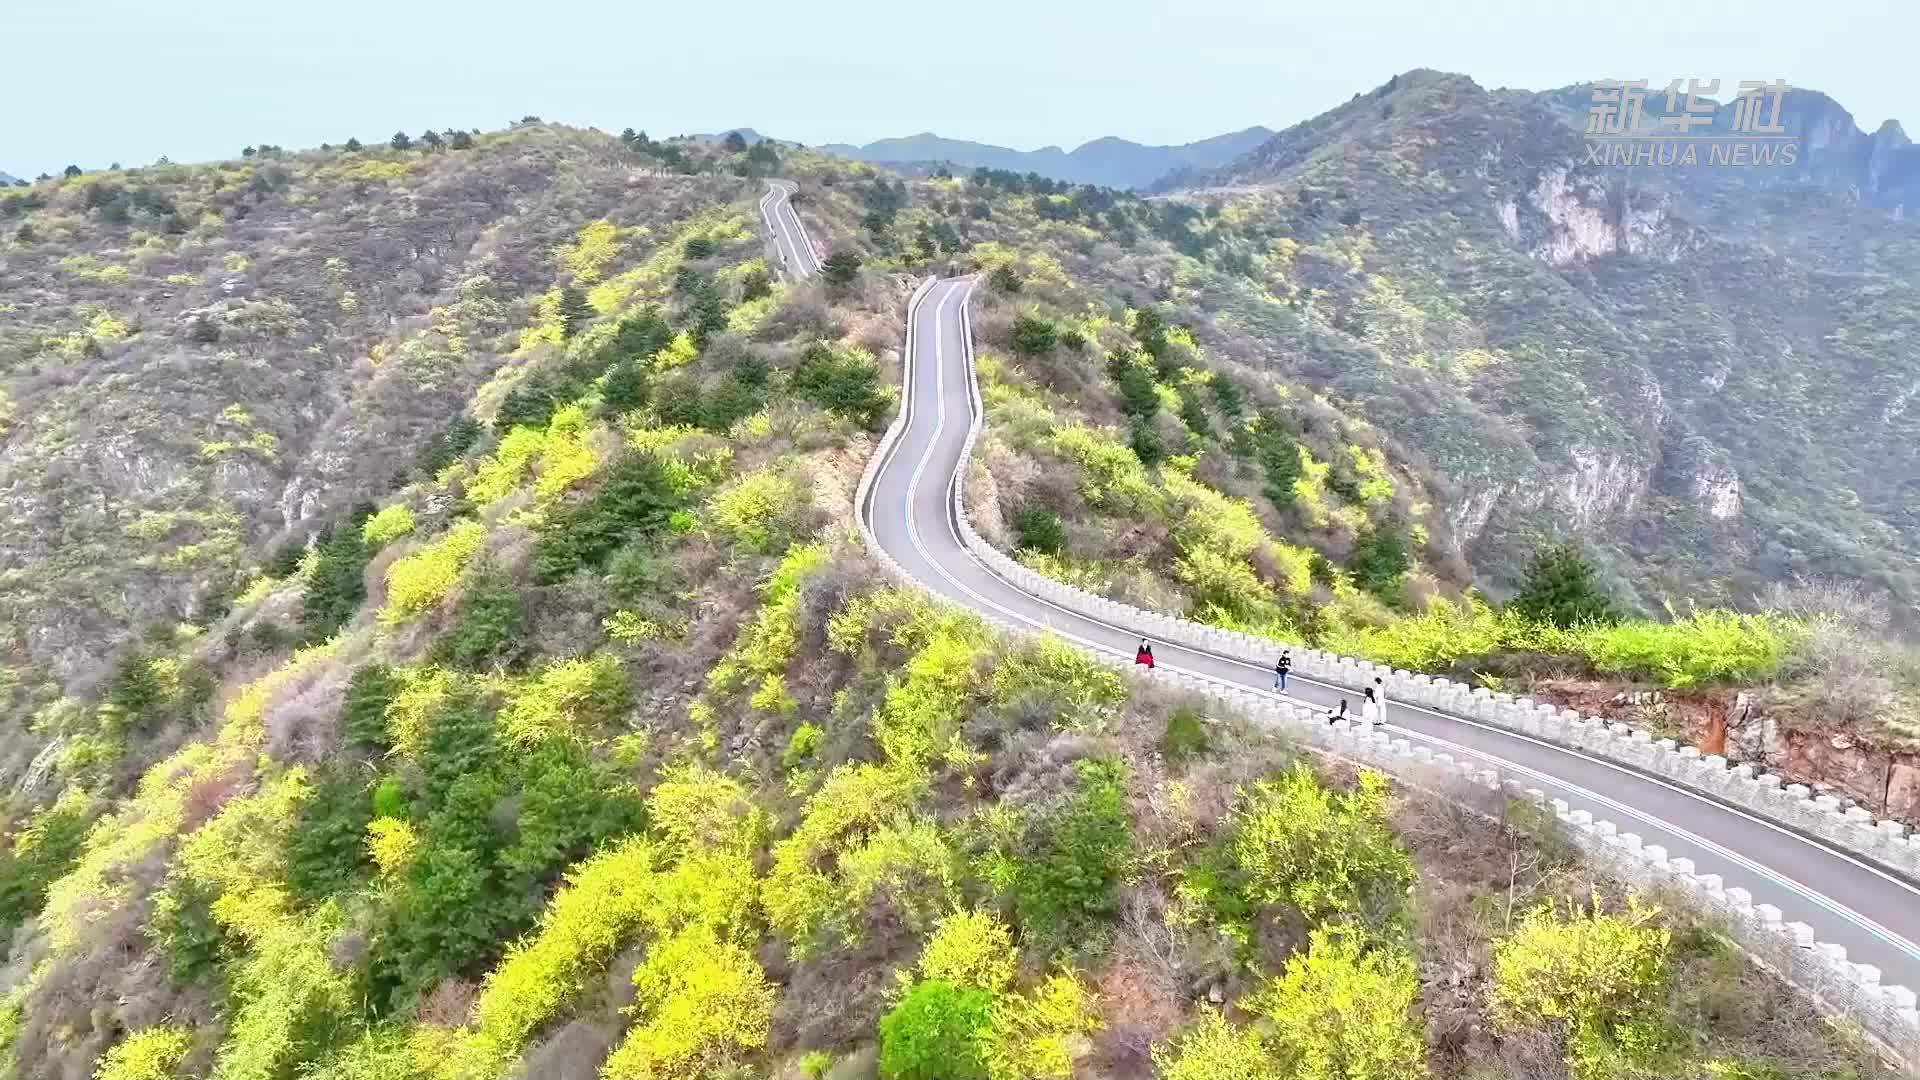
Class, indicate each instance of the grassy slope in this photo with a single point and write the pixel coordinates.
(1367, 298)
(204, 360)
(626, 639)
(1752, 332)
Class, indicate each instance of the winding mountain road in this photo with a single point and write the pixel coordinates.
(789, 236)
(910, 510)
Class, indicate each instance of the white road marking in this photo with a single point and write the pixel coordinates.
(918, 542)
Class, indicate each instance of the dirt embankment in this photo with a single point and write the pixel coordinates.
(1842, 763)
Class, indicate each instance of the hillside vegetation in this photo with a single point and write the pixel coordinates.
(1399, 354)
(571, 735)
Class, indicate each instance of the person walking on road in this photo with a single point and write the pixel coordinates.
(1144, 654)
(1375, 707)
(1280, 669)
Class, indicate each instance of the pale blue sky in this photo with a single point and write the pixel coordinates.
(94, 81)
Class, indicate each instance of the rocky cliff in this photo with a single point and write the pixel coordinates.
(1704, 373)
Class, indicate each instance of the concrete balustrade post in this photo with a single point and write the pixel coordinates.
(1891, 1012)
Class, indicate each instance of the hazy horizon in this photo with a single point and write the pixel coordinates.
(199, 81)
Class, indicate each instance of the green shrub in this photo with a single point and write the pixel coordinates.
(1193, 412)
(449, 912)
(41, 852)
(185, 930)
(845, 383)
(971, 949)
(569, 807)
(1185, 736)
(448, 445)
(337, 585)
(389, 799)
(488, 622)
(678, 401)
(935, 1033)
(1703, 649)
(706, 313)
(1214, 1049)
(1295, 842)
(803, 745)
(638, 337)
(425, 577)
(1033, 337)
(1601, 975)
(1143, 437)
(363, 712)
(534, 399)
(763, 511)
(1279, 457)
(1345, 1010)
(1560, 590)
(147, 1054)
(149, 688)
(1081, 852)
(390, 524)
(286, 558)
(575, 311)
(326, 852)
(740, 394)
(840, 268)
(625, 388)
(268, 637)
(1380, 559)
(1139, 396)
(636, 572)
(1040, 529)
(636, 501)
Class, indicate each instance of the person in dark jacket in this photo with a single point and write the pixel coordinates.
(1144, 654)
(1280, 669)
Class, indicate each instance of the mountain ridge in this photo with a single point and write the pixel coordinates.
(1108, 161)
(1879, 169)
(1622, 343)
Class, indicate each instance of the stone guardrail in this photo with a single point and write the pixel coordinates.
(1890, 1014)
(1854, 830)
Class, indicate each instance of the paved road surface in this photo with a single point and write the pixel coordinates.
(789, 236)
(1874, 915)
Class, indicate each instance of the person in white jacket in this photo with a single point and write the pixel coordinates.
(1374, 709)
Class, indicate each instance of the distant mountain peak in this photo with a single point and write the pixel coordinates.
(1108, 161)
(1881, 169)
(746, 133)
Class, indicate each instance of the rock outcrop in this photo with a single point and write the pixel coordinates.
(1883, 780)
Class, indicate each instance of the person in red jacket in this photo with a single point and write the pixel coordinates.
(1144, 654)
